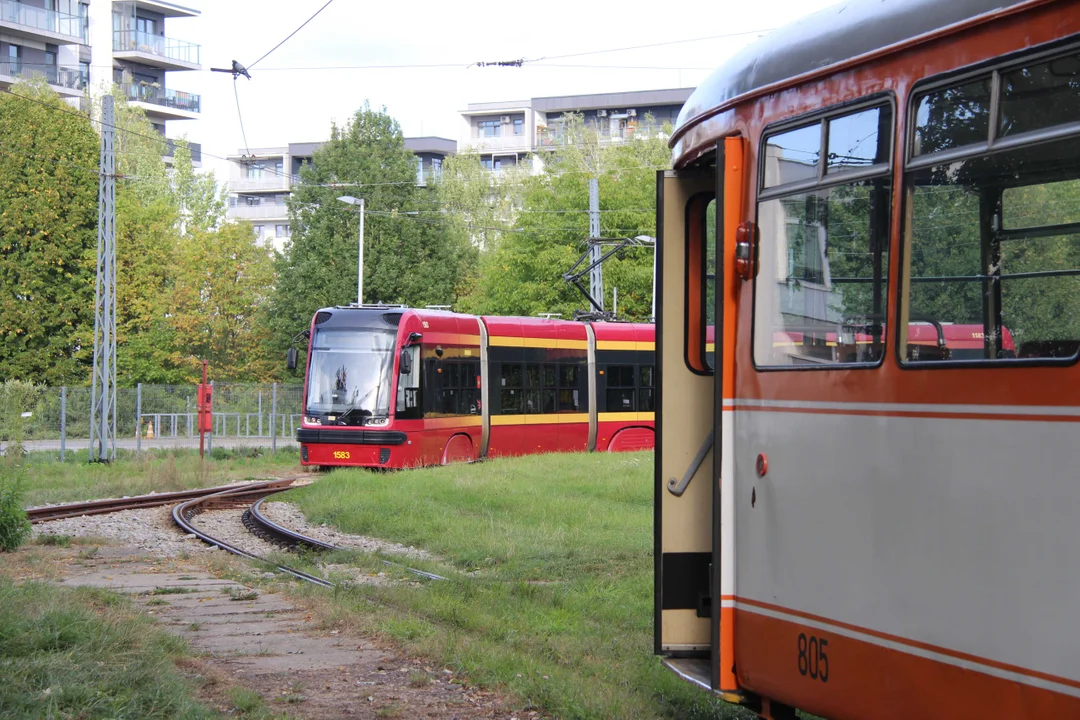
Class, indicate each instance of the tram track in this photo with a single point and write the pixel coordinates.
(99, 507)
(247, 497)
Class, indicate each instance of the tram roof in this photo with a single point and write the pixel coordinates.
(839, 33)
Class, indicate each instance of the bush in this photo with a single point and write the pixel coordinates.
(14, 523)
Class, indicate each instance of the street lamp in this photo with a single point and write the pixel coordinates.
(350, 200)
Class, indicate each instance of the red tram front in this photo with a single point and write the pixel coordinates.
(394, 387)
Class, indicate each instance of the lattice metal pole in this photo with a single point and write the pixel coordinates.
(103, 388)
(596, 275)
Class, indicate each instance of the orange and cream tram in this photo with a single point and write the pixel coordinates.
(852, 517)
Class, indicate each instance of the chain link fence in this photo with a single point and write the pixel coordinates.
(150, 416)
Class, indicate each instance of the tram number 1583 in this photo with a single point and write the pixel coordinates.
(341, 454)
(813, 661)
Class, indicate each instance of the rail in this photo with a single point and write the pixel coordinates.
(99, 507)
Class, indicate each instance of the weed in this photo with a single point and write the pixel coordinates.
(89, 553)
(82, 652)
(240, 594)
(54, 540)
(393, 710)
(14, 524)
(194, 627)
(187, 577)
(171, 590)
(419, 679)
(157, 601)
(246, 701)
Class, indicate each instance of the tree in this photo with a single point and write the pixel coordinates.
(546, 227)
(200, 201)
(222, 282)
(48, 242)
(408, 256)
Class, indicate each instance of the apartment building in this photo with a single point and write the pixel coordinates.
(504, 133)
(260, 183)
(83, 45)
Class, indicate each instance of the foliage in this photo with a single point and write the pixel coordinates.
(407, 258)
(86, 653)
(222, 279)
(14, 523)
(545, 223)
(200, 201)
(48, 213)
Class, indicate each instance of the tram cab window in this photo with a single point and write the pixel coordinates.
(992, 238)
(823, 217)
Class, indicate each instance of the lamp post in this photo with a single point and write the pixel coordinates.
(359, 202)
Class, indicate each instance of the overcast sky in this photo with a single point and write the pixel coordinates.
(297, 105)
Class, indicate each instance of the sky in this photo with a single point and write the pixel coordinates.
(288, 101)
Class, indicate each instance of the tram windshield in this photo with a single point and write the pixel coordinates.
(349, 375)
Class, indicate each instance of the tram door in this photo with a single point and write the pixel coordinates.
(698, 212)
(684, 428)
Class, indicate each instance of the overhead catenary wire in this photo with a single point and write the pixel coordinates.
(290, 35)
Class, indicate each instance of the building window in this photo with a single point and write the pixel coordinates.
(259, 231)
(436, 168)
(279, 167)
(253, 200)
(498, 163)
(519, 126)
(419, 171)
(146, 26)
(486, 162)
(488, 128)
(253, 171)
(282, 230)
(84, 75)
(14, 59)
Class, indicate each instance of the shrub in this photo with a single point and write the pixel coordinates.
(14, 524)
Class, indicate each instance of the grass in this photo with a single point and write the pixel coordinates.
(550, 579)
(50, 481)
(84, 652)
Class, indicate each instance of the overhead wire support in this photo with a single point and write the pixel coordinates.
(103, 388)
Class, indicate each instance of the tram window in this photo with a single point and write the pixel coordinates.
(709, 311)
(993, 236)
(511, 397)
(620, 388)
(995, 255)
(952, 117)
(540, 393)
(572, 394)
(793, 156)
(1040, 95)
(823, 271)
(857, 141)
(700, 283)
(645, 389)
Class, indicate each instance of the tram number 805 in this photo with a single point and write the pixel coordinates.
(812, 658)
(341, 454)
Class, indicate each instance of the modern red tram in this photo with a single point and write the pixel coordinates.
(866, 497)
(393, 387)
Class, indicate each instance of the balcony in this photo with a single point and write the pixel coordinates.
(499, 143)
(37, 23)
(267, 211)
(68, 81)
(158, 102)
(267, 183)
(555, 136)
(155, 50)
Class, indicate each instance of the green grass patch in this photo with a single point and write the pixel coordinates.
(49, 481)
(54, 540)
(83, 652)
(550, 578)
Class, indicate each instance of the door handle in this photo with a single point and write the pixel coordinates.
(678, 487)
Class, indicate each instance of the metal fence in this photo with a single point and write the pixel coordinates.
(151, 416)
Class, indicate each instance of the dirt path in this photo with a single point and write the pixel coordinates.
(267, 643)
